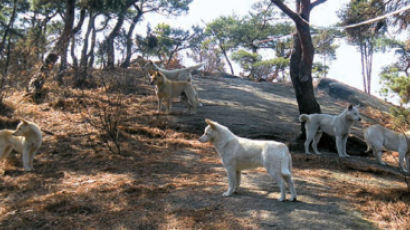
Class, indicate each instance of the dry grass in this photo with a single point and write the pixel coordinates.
(382, 199)
(79, 184)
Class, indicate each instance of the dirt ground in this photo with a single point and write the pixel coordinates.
(165, 179)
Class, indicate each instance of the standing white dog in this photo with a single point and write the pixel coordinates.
(379, 138)
(26, 139)
(334, 125)
(239, 153)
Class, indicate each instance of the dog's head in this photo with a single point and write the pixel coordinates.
(210, 131)
(156, 78)
(353, 113)
(22, 128)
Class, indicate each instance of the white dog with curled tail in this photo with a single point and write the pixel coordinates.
(334, 125)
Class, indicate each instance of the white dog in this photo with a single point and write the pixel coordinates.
(239, 153)
(334, 125)
(182, 74)
(26, 139)
(379, 138)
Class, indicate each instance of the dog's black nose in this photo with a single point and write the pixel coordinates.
(360, 119)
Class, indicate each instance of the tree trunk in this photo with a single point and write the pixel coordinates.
(92, 46)
(72, 53)
(369, 68)
(93, 40)
(9, 26)
(64, 51)
(6, 66)
(363, 63)
(302, 57)
(81, 75)
(37, 81)
(135, 20)
(227, 60)
(109, 42)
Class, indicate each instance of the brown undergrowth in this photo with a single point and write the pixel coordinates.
(79, 184)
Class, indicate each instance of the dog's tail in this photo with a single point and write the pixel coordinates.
(304, 118)
(196, 66)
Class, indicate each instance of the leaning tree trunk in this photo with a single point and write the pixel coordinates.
(109, 42)
(36, 83)
(301, 76)
(9, 26)
(227, 60)
(81, 75)
(64, 51)
(302, 56)
(93, 41)
(135, 20)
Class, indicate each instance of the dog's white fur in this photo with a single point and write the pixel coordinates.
(168, 89)
(379, 138)
(179, 74)
(239, 153)
(334, 125)
(26, 139)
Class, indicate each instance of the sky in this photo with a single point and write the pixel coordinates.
(345, 68)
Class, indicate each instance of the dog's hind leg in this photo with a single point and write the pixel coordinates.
(291, 186)
(279, 179)
(316, 140)
(4, 153)
(310, 133)
(231, 181)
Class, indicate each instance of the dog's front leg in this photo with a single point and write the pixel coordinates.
(344, 145)
(169, 105)
(231, 181)
(238, 179)
(402, 159)
(26, 160)
(31, 158)
(378, 154)
(339, 146)
(159, 104)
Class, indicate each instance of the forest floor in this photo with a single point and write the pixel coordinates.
(165, 179)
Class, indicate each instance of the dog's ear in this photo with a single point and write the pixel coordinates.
(350, 107)
(211, 123)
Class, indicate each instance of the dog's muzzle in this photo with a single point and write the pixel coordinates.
(203, 139)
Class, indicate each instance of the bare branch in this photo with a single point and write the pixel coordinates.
(292, 14)
(316, 3)
(285, 9)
